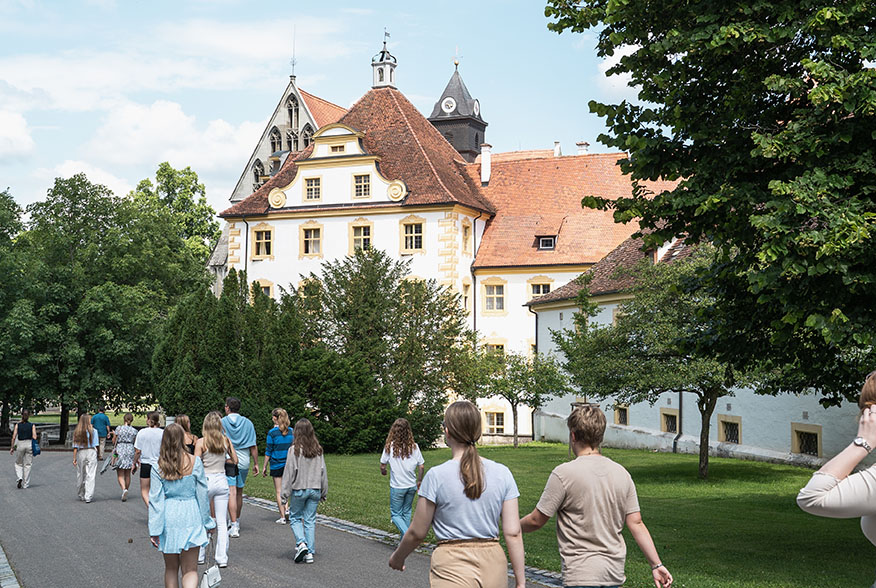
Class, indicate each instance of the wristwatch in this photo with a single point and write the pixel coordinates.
(861, 442)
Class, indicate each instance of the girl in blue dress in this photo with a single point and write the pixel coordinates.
(179, 511)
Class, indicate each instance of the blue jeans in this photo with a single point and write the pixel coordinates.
(400, 502)
(302, 514)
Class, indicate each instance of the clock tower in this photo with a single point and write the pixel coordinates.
(457, 116)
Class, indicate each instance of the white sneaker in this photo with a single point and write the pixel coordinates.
(234, 531)
(308, 558)
(125, 495)
(281, 521)
(301, 552)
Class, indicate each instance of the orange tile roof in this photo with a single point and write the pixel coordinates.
(409, 147)
(323, 111)
(518, 155)
(532, 196)
(608, 277)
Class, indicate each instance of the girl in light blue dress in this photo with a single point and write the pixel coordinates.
(179, 510)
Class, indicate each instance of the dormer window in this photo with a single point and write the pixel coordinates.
(337, 149)
(547, 243)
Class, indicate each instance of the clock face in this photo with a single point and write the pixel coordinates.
(448, 105)
(477, 108)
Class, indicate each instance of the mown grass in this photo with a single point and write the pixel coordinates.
(116, 419)
(741, 529)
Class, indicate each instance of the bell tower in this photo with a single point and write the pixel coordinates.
(383, 67)
(457, 116)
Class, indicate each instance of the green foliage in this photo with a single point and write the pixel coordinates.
(184, 196)
(518, 379)
(651, 349)
(765, 113)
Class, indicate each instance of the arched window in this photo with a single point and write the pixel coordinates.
(291, 140)
(258, 170)
(391, 76)
(292, 109)
(380, 75)
(306, 135)
(477, 141)
(276, 142)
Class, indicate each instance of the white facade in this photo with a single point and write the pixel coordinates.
(769, 428)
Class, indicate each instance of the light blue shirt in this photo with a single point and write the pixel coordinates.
(240, 431)
(456, 515)
(91, 444)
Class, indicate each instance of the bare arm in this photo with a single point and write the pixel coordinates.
(254, 458)
(229, 448)
(199, 448)
(415, 534)
(843, 464)
(420, 469)
(662, 577)
(514, 539)
(14, 437)
(533, 521)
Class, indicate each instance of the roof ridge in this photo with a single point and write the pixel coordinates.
(329, 102)
(420, 145)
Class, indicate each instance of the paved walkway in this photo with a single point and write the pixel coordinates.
(51, 539)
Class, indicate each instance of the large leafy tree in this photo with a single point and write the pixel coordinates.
(646, 352)
(766, 114)
(180, 191)
(102, 273)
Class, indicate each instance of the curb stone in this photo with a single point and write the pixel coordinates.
(535, 575)
(7, 576)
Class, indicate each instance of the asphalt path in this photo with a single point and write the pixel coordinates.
(52, 540)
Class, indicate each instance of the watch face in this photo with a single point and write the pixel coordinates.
(448, 105)
(477, 108)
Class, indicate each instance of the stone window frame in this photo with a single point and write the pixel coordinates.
(494, 281)
(664, 412)
(797, 428)
(467, 240)
(317, 187)
(365, 186)
(493, 429)
(351, 229)
(254, 248)
(729, 418)
(311, 225)
(412, 220)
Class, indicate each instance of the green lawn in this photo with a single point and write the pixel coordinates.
(116, 419)
(742, 528)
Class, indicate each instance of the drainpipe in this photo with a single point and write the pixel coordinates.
(474, 279)
(532, 414)
(680, 417)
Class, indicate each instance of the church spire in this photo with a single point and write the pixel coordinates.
(383, 66)
(457, 116)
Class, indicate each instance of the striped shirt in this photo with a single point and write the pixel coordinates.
(277, 446)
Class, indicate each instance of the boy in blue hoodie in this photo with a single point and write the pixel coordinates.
(241, 432)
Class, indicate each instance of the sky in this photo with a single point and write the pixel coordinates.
(112, 88)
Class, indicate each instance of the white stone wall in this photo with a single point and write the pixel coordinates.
(766, 422)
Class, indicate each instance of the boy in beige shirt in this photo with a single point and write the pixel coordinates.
(593, 497)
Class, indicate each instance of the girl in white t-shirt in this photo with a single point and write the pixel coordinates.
(147, 447)
(463, 501)
(406, 472)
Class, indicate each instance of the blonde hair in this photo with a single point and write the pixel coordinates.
(172, 457)
(282, 419)
(462, 420)
(587, 425)
(183, 421)
(214, 435)
(83, 433)
(306, 443)
(400, 440)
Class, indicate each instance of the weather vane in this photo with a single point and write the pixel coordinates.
(456, 58)
(293, 61)
(386, 35)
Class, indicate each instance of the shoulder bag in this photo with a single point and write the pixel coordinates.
(211, 577)
(35, 446)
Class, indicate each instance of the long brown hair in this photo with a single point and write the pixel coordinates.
(306, 443)
(172, 460)
(83, 433)
(25, 415)
(400, 440)
(183, 421)
(282, 419)
(868, 392)
(152, 418)
(462, 421)
(214, 435)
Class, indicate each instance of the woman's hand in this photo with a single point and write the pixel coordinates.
(867, 425)
(154, 540)
(662, 577)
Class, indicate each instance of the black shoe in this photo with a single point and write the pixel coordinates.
(19, 483)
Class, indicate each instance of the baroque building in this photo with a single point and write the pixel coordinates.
(498, 228)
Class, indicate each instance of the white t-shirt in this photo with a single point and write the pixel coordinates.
(456, 515)
(403, 471)
(148, 441)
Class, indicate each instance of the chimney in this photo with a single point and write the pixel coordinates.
(583, 146)
(557, 151)
(485, 163)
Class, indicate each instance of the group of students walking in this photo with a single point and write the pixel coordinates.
(190, 484)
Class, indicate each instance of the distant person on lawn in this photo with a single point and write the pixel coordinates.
(101, 424)
(242, 434)
(406, 472)
(593, 498)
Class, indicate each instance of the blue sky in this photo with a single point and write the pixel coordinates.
(112, 88)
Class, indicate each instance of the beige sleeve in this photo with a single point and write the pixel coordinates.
(852, 497)
(632, 503)
(552, 497)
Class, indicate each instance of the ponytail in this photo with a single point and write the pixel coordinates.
(463, 423)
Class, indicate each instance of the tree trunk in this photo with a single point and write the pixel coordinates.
(514, 418)
(65, 421)
(4, 420)
(706, 404)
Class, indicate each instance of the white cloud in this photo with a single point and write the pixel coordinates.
(134, 134)
(95, 174)
(616, 87)
(15, 139)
